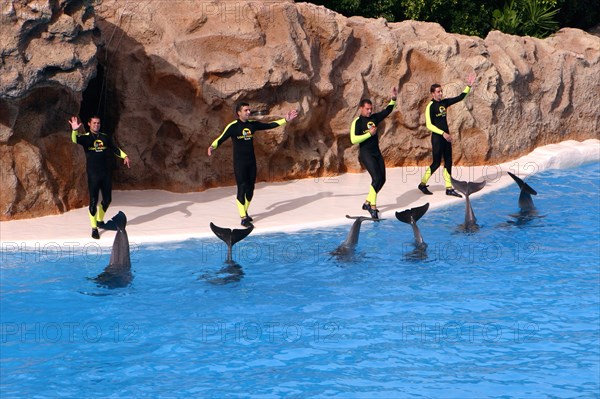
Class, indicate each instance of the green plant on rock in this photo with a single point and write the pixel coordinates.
(526, 17)
(507, 20)
(538, 19)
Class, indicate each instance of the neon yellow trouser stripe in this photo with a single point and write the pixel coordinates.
(241, 208)
(372, 197)
(426, 176)
(447, 179)
(93, 221)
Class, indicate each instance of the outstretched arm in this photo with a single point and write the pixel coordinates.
(450, 101)
(280, 122)
(381, 115)
(219, 140)
(118, 152)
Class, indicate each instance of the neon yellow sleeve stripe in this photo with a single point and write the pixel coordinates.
(392, 102)
(467, 90)
(354, 138)
(122, 154)
(74, 136)
(215, 143)
(428, 123)
(281, 122)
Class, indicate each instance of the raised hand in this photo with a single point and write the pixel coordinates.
(471, 79)
(291, 115)
(74, 121)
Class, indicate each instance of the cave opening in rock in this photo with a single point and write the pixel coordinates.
(95, 101)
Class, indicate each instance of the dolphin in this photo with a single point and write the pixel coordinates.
(230, 237)
(231, 273)
(410, 216)
(528, 211)
(525, 201)
(118, 272)
(346, 249)
(468, 188)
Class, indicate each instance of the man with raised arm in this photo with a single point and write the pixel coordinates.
(241, 131)
(441, 140)
(363, 131)
(98, 148)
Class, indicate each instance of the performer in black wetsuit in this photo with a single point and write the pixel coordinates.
(98, 147)
(441, 141)
(363, 131)
(241, 131)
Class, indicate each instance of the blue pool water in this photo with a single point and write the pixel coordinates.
(510, 311)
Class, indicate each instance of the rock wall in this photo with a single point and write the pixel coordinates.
(48, 56)
(168, 74)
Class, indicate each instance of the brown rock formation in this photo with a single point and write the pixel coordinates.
(170, 72)
(48, 57)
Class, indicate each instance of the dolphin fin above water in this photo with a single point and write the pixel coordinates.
(468, 188)
(230, 236)
(410, 216)
(118, 272)
(525, 201)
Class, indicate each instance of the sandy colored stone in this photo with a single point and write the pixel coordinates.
(173, 71)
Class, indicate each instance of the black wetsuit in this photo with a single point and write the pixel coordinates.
(98, 148)
(435, 118)
(369, 153)
(244, 160)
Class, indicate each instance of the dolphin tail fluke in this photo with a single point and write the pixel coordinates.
(117, 223)
(522, 185)
(229, 236)
(467, 188)
(412, 215)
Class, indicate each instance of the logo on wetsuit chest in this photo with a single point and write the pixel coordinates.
(370, 124)
(246, 134)
(441, 111)
(98, 146)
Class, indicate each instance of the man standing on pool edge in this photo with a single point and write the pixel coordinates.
(441, 141)
(97, 147)
(363, 131)
(241, 132)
